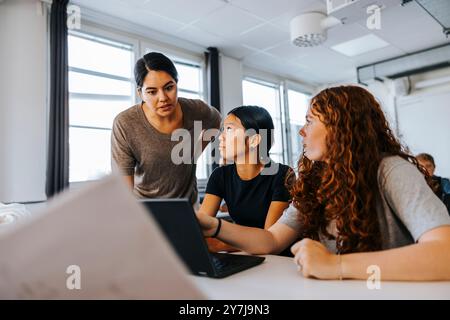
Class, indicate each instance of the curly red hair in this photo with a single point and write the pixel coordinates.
(344, 188)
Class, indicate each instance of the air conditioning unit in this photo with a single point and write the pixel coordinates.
(350, 11)
(407, 65)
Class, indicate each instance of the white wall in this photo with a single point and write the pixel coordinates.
(385, 94)
(424, 119)
(23, 108)
(383, 91)
(420, 119)
(230, 83)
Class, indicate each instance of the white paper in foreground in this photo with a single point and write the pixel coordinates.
(103, 230)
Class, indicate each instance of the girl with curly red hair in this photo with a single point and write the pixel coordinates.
(360, 199)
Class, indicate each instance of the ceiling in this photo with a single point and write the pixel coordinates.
(257, 32)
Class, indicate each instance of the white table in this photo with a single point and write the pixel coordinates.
(277, 278)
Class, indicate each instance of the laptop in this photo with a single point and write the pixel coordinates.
(178, 221)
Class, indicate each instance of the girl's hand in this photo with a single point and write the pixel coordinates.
(314, 260)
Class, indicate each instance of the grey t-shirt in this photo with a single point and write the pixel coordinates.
(406, 209)
(139, 149)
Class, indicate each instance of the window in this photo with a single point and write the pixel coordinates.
(298, 106)
(267, 95)
(288, 119)
(100, 86)
(190, 86)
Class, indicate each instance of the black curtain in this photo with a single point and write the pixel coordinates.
(212, 64)
(58, 143)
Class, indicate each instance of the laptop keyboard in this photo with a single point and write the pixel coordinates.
(225, 264)
(228, 261)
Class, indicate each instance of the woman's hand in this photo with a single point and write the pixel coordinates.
(208, 224)
(314, 260)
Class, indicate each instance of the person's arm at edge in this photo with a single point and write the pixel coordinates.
(210, 206)
(429, 259)
(129, 181)
(275, 211)
(271, 241)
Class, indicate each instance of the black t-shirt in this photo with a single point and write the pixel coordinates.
(248, 201)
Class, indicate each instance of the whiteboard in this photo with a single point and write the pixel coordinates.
(424, 126)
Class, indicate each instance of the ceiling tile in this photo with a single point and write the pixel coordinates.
(414, 31)
(115, 8)
(237, 52)
(344, 33)
(287, 51)
(308, 52)
(275, 65)
(270, 9)
(239, 28)
(263, 37)
(228, 22)
(285, 18)
(201, 37)
(323, 59)
(156, 22)
(178, 10)
(423, 34)
(137, 13)
(378, 55)
(361, 45)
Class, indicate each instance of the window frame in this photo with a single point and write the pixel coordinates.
(283, 86)
(111, 39)
(289, 133)
(277, 87)
(139, 44)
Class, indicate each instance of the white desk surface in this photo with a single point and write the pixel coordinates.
(277, 278)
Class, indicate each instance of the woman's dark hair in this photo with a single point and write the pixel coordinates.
(256, 118)
(153, 61)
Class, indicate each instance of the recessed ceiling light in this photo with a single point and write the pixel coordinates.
(360, 45)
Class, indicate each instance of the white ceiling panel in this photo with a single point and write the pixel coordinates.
(229, 22)
(345, 32)
(420, 31)
(263, 37)
(257, 32)
(271, 9)
(378, 55)
(237, 52)
(287, 51)
(201, 37)
(182, 10)
(159, 23)
(285, 18)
